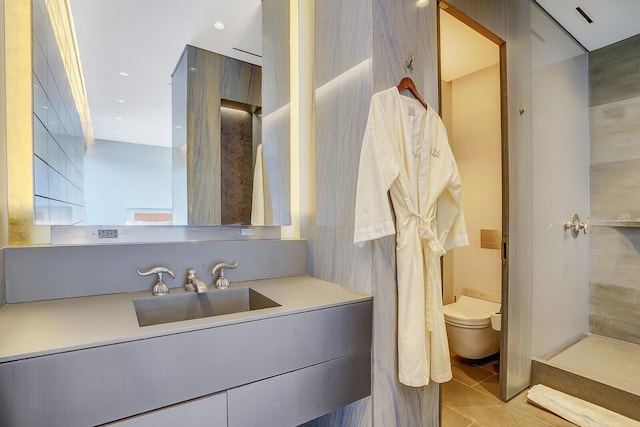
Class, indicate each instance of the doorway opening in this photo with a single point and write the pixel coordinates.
(473, 109)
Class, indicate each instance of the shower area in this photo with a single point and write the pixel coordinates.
(585, 107)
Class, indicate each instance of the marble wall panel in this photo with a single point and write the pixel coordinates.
(211, 78)
(203, 148)
(348, 60)
(276, 54)
(346, 29)
(342, 85)
(276, 107)
(401, 29)
(276, 149)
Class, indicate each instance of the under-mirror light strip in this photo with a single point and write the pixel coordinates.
(307, 145)
(65, 35)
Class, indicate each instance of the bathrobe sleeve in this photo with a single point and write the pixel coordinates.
(377, 171)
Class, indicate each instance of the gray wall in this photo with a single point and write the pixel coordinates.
(50, 272)
(560, 96)
(614, 274)
(360, 48)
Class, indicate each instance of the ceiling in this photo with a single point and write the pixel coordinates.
(463, 50)
(613, 20)
(145, 38)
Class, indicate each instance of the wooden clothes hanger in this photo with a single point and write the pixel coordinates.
(407, 83)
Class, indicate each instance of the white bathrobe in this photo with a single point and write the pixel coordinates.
(405, 151)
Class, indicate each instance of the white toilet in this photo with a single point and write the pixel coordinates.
(468, 322)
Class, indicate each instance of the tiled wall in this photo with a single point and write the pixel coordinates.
(614, 275)
(57, 133)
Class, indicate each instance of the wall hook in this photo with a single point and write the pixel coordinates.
(409, 61)
(575, 225)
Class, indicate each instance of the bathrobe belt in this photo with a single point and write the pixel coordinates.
(425, 230)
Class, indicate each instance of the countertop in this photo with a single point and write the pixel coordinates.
(48, 327)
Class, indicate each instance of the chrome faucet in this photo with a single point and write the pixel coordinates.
(159, 288)
(193, 283)
(222, 282)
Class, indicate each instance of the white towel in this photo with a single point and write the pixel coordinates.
(261, 211)
(577, 411)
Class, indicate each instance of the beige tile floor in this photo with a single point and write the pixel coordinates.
(471, 400)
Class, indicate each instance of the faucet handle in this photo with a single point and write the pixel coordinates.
(222, 282)
(159, 288)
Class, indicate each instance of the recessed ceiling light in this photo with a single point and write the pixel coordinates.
(120, 101)
(422, 3)
(178, 127)
(123, 74)
(118, 118)
(219, 25)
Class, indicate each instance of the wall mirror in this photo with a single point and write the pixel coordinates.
(128, 52)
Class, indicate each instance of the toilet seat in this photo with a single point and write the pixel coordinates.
(470, 312)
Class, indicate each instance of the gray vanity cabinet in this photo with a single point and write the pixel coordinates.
(299, 396)
(273, 371)
(208, 411)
